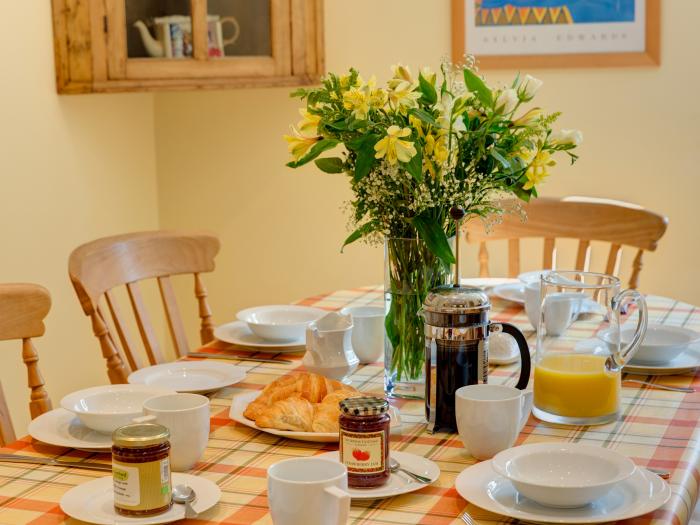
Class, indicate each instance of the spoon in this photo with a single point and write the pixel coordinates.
(185, 495)
(396, 466)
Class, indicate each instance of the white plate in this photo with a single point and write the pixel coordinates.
(487, 282)
(686, 362)
(189, 376)
(514, 292)
(93, 501)
(238, 333)
(639, 494)
(240, 402)
(63, 428)
(398, 483)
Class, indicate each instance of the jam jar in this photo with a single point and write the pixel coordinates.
(141, 469)
(364, 441)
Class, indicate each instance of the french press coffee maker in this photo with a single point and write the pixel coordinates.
(457, 329)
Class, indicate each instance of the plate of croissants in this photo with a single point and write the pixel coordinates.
(301, 406)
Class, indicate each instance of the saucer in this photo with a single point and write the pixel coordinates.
(641, 493)
(93, 501)
(398, 483)
(196, 377)
(63, 428)
(238, 333)
(513, 292)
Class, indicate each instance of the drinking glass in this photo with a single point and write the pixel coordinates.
(577, 375)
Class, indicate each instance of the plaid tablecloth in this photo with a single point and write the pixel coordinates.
(657, 428)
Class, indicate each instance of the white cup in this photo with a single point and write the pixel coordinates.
(367, 332)
(490, 417)
(561, 309)
(187, 418)
(308, 491)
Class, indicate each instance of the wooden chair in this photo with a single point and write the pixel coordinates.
(584, 218)
(23, 308)
(100, 266)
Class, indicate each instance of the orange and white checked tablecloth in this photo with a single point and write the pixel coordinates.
(657, 428)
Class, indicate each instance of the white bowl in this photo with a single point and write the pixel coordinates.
(280, 322)
(106, 408)
(660, 344)
(563, 475)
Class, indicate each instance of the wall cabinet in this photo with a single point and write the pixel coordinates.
(147, 45)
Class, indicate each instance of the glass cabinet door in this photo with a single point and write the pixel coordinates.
(190, 39)
(158, 29)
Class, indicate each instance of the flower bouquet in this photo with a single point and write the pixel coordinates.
(412, 149)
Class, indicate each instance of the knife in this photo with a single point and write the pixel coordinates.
(87, 465)
(238, 358)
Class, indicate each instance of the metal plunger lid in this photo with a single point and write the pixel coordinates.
(456, 299)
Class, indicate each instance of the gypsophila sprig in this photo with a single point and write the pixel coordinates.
(417, 146)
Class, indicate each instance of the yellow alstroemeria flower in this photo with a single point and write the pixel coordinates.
(399, 73)
(377, 98)
(393, 148)
(345, 82)
(528, 118)
(404, 96)
(357, 100)
(537, 171)
(308, 125)
(429, 75)
(298, 144)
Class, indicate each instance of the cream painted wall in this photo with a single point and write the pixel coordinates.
(72, 168)
(221, 157)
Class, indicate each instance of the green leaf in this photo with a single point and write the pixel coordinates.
(360, 232)
(330, 165)
(427, 89)
(522, 194)
(433, 236)
(424, 116)
(415, 166)
(364, 148)
(477, 86)
(315, 151)
(502, 160)
(341, 125)
(298, 93)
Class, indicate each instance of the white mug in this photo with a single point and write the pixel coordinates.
(367, 332)
(308, 491)
(187, 418)
(560, 311)
(490, 417)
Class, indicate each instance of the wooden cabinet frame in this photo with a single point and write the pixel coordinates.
(91, 54)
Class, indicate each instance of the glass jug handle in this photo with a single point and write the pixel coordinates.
(621, 356)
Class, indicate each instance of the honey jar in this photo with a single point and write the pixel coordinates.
(141, 469)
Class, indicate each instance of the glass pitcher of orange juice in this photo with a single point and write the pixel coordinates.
(577, 375)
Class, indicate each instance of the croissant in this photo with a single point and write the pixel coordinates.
(292, 413)
(327, 412)
(311, 387)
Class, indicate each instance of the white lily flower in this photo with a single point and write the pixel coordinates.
(506, 101)
(528, 87)
(567, 136)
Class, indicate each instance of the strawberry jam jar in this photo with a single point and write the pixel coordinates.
(364, 441)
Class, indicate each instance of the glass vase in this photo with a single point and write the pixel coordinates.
(410, 272)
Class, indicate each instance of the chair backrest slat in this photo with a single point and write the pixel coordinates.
(23, 308)
(612, 267)
(128, 346)
(143, 321)
(549, 255)
(583, 256)
(100, 266)
(172, 314)
(582, 218)
(513, 257)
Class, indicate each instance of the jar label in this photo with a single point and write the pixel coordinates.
(142, 486)
(363, 452)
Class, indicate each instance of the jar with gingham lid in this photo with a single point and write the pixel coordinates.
(364, 441)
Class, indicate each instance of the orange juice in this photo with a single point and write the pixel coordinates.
(576, 385)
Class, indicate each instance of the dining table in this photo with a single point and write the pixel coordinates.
(656, 428)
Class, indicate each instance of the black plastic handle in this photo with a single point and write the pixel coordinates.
(512, 330)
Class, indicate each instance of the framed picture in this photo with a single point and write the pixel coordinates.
(557, 33)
